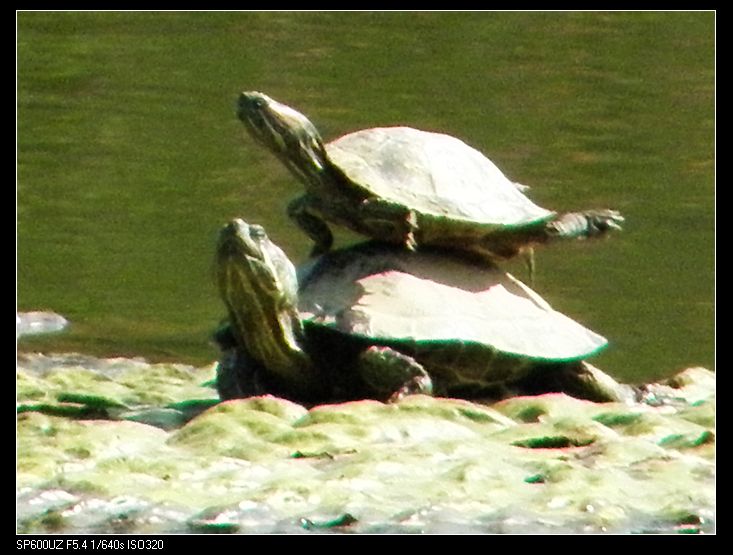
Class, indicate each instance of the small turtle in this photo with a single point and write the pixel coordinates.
(406, 186)
(379, 321)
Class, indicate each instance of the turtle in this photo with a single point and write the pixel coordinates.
(381, 322)
(408, 186)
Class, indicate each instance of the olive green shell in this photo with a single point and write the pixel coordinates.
(387, 295)
(434, 174)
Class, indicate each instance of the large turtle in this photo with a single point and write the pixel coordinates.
(379, 321)
(407, 186)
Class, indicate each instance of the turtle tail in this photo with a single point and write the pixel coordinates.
(588, 223)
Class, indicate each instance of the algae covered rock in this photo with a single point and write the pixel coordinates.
(548, 463)
(79, 386)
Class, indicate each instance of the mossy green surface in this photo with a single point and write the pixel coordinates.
(527, 464)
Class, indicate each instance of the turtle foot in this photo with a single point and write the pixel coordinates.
(411, 222)
(589, 223)
(393, 375)
(416, 386)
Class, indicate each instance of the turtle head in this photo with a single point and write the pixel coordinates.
(258, 285)
(286, 132)
(248, 262)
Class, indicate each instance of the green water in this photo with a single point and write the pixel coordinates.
(130, 157)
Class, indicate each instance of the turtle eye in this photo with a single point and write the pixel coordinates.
(257, 100)
(257, 232)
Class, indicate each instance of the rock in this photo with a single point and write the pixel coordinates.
(32, 323)
(533, 464)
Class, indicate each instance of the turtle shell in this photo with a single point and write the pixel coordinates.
(425, 298)
(434, 174)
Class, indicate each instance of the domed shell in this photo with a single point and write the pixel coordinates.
(427, 298)
(435, 174)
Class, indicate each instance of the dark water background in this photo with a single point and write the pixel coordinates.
(130, 157)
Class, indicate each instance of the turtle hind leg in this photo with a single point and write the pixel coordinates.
(302, 211)
(392, 375)
(588, 223)
(578, 379)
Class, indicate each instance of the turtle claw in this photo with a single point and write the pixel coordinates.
(393, 375)
(411, 221)
(410, 242)
(385, 219)
(417, 385)
(589, 223)
(600, 221)
(611, 220)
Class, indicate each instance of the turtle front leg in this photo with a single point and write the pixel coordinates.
(389, 221)
(304, 213)
(393, 375)
(238, 375)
